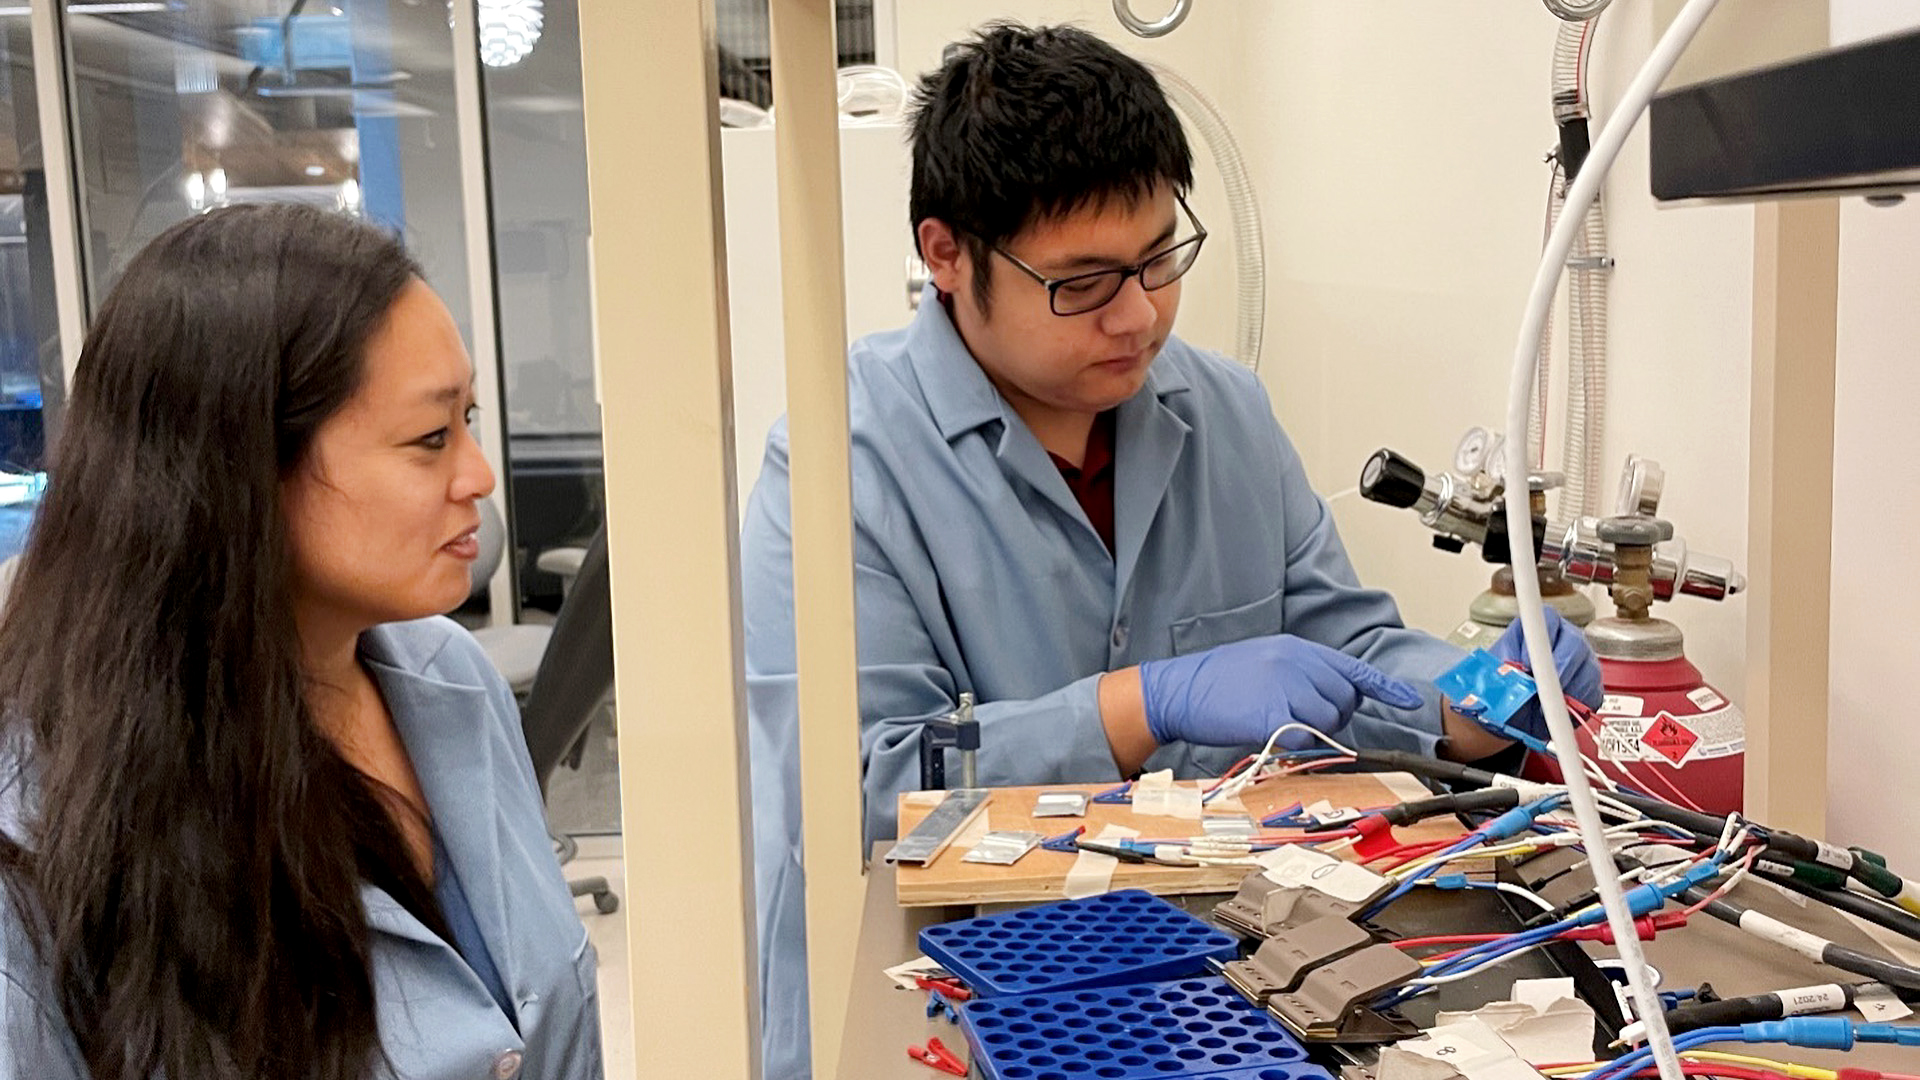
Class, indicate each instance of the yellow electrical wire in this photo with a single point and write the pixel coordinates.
(1800, 1072)
(1785, 1068)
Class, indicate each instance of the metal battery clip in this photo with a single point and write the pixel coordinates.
(1331, 1004)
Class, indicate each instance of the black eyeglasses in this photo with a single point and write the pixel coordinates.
(1082, 293)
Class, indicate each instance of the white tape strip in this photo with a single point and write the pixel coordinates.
(1808, 945)
(1092, 873)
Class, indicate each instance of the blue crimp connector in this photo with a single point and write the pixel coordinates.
(1517, 820)
(1817, 1032)
(1449, 881)
(1903, 1034)
(1641, 900)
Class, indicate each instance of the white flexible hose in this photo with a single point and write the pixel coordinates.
(1587, 368)
(1580, 195)
(1249, 254)
(1583, 441)
(1543, 367)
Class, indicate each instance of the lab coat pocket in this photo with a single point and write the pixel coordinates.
(1198, 633)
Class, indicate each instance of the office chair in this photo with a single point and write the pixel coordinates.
(561, 675)
(573, 686)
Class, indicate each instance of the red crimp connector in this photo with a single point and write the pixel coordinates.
(1860, 1074)
(1645, 927)
(1375, 837)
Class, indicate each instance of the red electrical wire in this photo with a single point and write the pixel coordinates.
(1714, 1068)
(1447, 939)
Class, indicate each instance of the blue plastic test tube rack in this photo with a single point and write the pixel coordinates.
(1162, 1031)
(1116, 938)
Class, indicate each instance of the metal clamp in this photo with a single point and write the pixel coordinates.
(957, 730)
(1281, 961)
(1264, 908)
(1330, 1005)
(1160, 27)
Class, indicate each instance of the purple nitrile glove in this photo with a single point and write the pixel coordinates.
(1237, 694)
(1579, 671)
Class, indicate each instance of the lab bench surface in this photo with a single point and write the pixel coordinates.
(882, 1020)
(1041, 875)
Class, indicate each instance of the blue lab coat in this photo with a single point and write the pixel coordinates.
(437, 1021)
(976, 569)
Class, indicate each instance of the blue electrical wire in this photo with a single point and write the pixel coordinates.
(1816, 1032)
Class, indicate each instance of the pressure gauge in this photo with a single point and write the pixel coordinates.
(1641, 484)
(1471, 457)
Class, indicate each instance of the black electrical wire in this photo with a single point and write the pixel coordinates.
(1890, 972)
(1799, 1001)
(1420, 765)
(1407, 813)
(1866, 907)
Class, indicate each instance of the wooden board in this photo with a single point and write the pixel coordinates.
(1041, 875)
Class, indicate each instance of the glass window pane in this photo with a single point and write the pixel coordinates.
(31, 384)
(348, 104)
(536, 144)
(340, 103)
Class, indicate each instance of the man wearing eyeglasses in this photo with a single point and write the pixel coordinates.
(1097, 529)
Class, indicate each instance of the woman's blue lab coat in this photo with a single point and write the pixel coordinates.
(437, 1020)
(975, 569)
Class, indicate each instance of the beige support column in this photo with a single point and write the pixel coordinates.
(813, 293)
(653, 159)
(1796, 255)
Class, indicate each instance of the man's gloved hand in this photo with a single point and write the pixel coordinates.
(1579, 671)
(1237, 694)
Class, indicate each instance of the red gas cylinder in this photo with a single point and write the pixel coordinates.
(1663, 729)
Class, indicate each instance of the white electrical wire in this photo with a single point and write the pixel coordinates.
(1580, 195)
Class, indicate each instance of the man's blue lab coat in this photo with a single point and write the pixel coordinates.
(976, 569)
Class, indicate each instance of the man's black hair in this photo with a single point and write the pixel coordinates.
(1024, 124)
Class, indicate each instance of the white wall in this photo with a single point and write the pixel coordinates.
(1208, 49)
(1876, 506)
(1400, 164)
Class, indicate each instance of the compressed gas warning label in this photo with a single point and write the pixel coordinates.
(1722, 732)
(1672, 740)
(1619, 738)
(1669, 738)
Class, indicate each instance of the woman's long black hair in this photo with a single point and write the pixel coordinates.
(192, 847)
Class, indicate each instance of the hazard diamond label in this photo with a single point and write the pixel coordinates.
(1669, 738)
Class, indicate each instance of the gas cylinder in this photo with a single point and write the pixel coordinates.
(1662, 728)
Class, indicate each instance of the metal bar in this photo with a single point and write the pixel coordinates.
(659, 258)
(50, 88)
(469, 99)
(813, 297)
(1796, 284)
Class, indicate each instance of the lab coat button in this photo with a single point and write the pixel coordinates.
(1120, 635)
(507, 1065)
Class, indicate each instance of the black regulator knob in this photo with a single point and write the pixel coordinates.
(1393, 480)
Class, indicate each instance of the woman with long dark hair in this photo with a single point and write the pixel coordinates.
(262, 812)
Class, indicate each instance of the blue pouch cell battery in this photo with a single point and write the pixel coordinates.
(1483, 687)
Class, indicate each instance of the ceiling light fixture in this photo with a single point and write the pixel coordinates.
(508, 30)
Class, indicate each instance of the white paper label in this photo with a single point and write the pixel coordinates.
(1623, 705)
(1812, 999)
(1301, 867)
(1474, 1050)
(1705, 698)
(1879, 1005)
(1828, 855)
